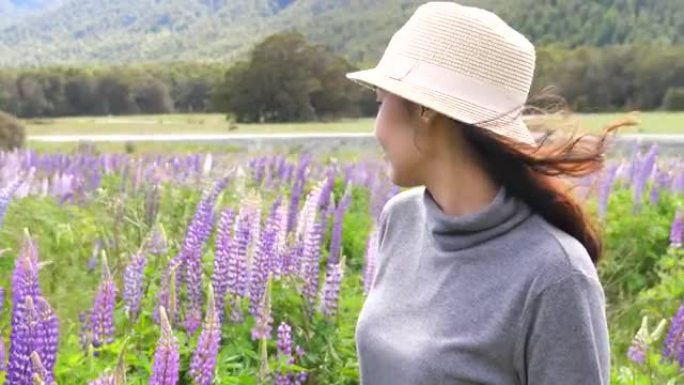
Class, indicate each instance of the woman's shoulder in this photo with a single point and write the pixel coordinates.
(406, 197)
(400, 208)
(555, 254)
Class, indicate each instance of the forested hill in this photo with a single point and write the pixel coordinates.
(43, 32)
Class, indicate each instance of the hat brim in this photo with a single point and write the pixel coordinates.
(512, 127)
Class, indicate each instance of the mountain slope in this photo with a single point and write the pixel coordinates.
(14, 11)
(114, 31)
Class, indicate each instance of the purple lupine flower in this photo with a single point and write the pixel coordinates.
(204, 358)
(166, 297)
(25, 290)
(47, 334)
(133, 284)
(331, 289)
(166, 366)
(284, 352)
(102, 313)
(255, 220)
(85, 336)
(660, 182)
(634, 165)
(311, 257)
(284, 349)
(193, 279)
(307, 215)
(25, 277)
(310, 229)
(284, 346)
(274, 220)
(278, 221)
(263, 320)
(198, 232)
(282, 238)
(219, 277)
(637, 352)
(158, 244)
(301, 377)
(280, 168)
(236, 283)
(3, 366)
(6, 195)
(297, 191)
(369, 261)
(326, 190)
(295, 196)
(288, 171)
(41, 376)
(673, 346)
(259, 169)
(677, 230)
(604, 189)
(2, 299)
(291, 262)
(261, 266)
(36, 330)
(644, 173)
(338, 217)
(678, 183)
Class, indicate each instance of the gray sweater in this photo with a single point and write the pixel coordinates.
(497, 297)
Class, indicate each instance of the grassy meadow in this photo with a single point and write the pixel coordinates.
(649, 122)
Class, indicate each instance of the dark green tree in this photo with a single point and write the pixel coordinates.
(287, 79)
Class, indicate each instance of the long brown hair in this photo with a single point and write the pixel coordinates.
(537, 174)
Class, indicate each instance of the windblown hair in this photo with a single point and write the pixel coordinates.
(537, 174)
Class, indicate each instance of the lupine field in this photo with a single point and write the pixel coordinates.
(207, 269)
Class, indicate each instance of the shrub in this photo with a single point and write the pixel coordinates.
(12, 132)
(674, 99)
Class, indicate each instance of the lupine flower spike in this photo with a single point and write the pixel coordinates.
(133, 284)
(102, 315)
(331, 289)
(264, 321)
(166, 358)
(204, 359)
(674, 341)
(35, 327)
(41, 376)
(677, 230)
(643, 339)
(284, 353)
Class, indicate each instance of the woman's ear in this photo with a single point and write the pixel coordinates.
(428, 115)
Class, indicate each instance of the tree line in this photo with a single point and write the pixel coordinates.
(286, 78)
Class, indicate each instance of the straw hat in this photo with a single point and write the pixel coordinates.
(464, 62)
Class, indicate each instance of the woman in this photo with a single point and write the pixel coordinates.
(486, 275)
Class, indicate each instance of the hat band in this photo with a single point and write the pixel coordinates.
(445, 81)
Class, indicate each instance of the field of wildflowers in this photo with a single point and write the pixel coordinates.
(206, 269)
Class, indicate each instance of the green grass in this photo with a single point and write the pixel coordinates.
(650, 122)
(181, 123)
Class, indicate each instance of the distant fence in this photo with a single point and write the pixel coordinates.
(622, 144)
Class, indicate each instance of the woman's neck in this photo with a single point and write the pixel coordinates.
(459, 185)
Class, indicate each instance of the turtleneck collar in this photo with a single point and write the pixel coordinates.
(451, 233)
